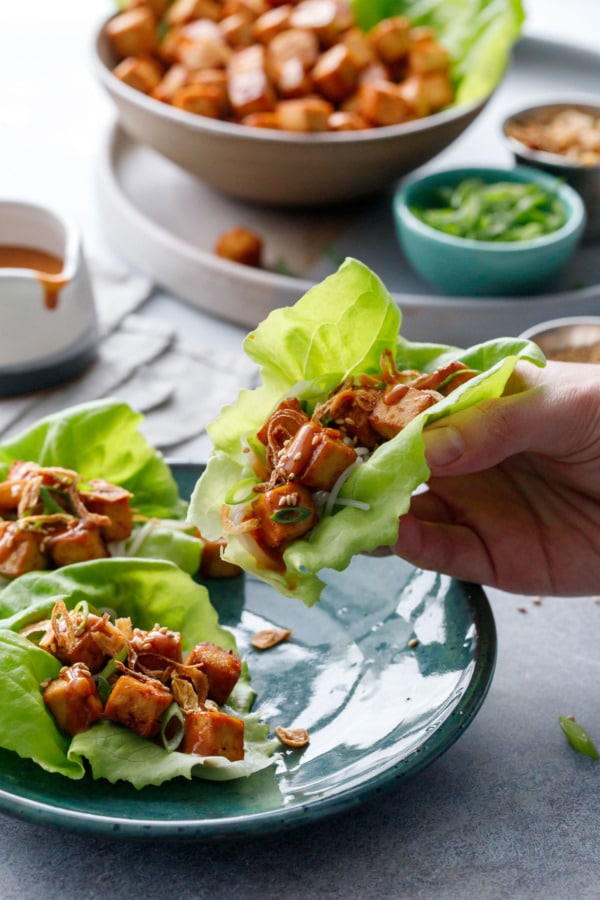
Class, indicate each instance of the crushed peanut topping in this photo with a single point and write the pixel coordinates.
(270, 637)
(292, 737)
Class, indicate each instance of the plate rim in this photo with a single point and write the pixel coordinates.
(283, 818)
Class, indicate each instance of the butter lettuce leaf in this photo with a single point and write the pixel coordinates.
(148, 591)
(340, 327)
(100, 439)
(479, 35)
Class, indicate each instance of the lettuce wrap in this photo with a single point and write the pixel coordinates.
(101, 439)
(148, 591)
(338, 329)
(479, 35)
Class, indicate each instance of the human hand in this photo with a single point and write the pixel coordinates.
(514, 496)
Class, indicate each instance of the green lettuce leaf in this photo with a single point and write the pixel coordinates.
(479, 34)
(100, 439)
(339, 328)
(148, 591)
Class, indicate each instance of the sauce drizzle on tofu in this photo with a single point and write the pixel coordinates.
(135, 678)
(307, 457)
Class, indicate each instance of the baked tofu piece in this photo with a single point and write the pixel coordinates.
(237, 30)
(250, 90)
(212, 565)
(98, 641)
(388, 419)
(328, 19)
(10, 494)
(139, 704)
(182, 11)
(391, 39)
(346, 120)
(201, 45)
(382, 103)
(157, 647)
(317, 457)
(141, 73)
(284, 513)
(132, 33)
(294, 43)
(304, 114)
(173, 79)
(335, 75)
(158, 7)
(114, 502)
(200, 99)
(240, 245)
(20, 551)
(221, 667)
(210, 732)
(76, 544)
(73, 699)
(427, 55)
(271, 23)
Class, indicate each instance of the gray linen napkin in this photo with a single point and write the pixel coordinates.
(178, 388)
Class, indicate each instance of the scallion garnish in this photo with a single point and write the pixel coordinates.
(50, 503)
(242, 492)
(83, 608)
(578, 737)
(290, 515)
(172, 727)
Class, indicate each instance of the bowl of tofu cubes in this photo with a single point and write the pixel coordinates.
(282, 104)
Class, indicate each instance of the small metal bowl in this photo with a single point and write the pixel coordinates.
(570, 339)
(585, 179)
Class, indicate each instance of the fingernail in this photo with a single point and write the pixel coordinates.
(443, 445)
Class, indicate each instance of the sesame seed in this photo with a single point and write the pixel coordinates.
(413, 643)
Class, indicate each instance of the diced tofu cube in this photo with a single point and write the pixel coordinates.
(158, 7)
(237, 30)
(389, 419)
(326, 18)
(335, 75)
(200, 99)
(77, 544)
(291, 79)
(428, 55)
(174, 78)
(221, 667)
(437, 89)
(284, 513)
(211, 563)
(138, 704)
(156, 648)
(271, 23)
(415, 96)
(114, 502)
(20, 551)
(309, 114)
(98, 641)
(182, 11)
(294, 43)
(202, 46)
(318, 457)
(10, 494)
(210, 732)
(132, 33)
(240, 245)
(381, 103)
(391, 39)
(359, 47)
(261, 120)
(138, 72)
(250, 90)
(73, 699)
(347, 120)
(254, 8)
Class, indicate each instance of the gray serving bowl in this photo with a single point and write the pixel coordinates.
(571, 339)
(584, 179)
(276, 167)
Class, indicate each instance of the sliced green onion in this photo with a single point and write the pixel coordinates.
(111, 666)
(173, 717)
(103, 687)
(50, 503)
(242, 492)
(578, 737)
(83, 608)
(290, 515)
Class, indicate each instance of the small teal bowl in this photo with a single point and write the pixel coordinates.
(465, 267)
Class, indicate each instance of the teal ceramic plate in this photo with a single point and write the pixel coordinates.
(377, 710)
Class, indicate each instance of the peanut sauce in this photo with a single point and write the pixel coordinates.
(46, 267)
